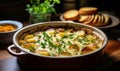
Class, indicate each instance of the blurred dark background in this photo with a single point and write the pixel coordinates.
(15, 9)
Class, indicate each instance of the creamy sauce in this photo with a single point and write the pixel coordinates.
(61, 42)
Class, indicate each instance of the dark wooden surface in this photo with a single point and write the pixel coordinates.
(110, 59)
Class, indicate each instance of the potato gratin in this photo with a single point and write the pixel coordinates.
(61, 41)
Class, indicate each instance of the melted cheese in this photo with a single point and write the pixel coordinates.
(52, 42)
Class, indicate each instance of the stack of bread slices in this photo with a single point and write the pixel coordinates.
(87, 15)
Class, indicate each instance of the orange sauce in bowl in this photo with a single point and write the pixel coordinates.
(7, 27)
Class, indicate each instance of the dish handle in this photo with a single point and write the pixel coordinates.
(15, 51)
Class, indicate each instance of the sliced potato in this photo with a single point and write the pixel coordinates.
(22, 42)
(86, 50)
(74, 48)
(42, 52)
(66, 54)
(29, 36)
(31, 40)
(28, 45)
(80, 33)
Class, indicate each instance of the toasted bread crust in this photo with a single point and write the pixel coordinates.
(96, 20)
(87, 10)
(71, 15)
(83, 18)
(90, 19)
(106, 19)
(88, 15)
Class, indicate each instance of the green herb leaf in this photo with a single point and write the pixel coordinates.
(32, 49)
(38, 7)
(43, 44)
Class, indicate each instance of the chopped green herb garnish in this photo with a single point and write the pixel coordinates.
(32, 49)
(57, 40)
(63, 37)
(69, 43)
(71, 36)
(60, 50)
(39, 36)
(61, 42)
(43, 44)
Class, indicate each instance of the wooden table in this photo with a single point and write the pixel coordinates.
(110, 57)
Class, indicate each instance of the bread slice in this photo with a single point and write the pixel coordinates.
(106, 19)
(102, 22)
(71, 15)
(94, 22)
(89, 20)
(88, 10)
(98, 21)
(102, 19)
(83, 18)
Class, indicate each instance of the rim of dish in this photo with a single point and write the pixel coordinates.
(27, 52)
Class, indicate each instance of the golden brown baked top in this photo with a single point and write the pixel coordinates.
(61, 41)
(87, 10)
(71, 15)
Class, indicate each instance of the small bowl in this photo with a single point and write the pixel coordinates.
(6, 37)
